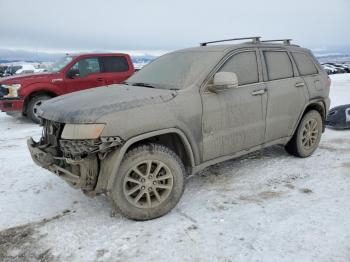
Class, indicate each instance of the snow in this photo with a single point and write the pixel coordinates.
(267, 206)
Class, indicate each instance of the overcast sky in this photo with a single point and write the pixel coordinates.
(167, 25)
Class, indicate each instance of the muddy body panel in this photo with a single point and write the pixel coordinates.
(272, 87)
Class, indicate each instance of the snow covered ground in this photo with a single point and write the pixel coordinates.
(267, 206)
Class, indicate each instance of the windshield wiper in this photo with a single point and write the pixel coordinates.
(143, 84)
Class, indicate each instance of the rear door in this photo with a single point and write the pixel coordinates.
(309, 72)
(87, 74)
(234, 119)
(286, 91)
(115, 69)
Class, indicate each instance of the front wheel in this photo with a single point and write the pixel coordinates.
(150, 182)
(33, 105)
(307, 136)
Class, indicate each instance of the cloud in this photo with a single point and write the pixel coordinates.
(167, 25)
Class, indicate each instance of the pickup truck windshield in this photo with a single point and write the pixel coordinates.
(60, 64)
(176, 70)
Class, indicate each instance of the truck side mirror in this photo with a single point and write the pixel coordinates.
(223, 81)
(72, 73)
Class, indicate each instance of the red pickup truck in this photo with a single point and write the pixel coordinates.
(23, 94)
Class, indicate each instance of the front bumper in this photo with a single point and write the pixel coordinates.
(11, 104)
(77, 173)
(40, 157)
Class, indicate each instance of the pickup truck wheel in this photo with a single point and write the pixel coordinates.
(150, 182)
(307, 136)
(33, 105)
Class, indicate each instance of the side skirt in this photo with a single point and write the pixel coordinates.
(280, 141)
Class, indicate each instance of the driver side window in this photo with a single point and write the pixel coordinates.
(245, 65)
(85, 67)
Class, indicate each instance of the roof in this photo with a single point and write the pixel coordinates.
(256, 42)
(96, 53)
(230, 47)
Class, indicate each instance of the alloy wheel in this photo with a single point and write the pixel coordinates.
(148, 184)
(309, 134)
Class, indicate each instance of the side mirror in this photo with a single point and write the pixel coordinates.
(72, 73)
(223, 81)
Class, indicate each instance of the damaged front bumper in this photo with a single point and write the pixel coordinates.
(79, 164)
(80, 173)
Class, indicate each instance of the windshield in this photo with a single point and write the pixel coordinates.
(60, 64)
(175, 70)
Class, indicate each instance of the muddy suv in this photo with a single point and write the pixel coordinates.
(185, 111)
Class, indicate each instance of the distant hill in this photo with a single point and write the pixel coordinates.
(142, 58)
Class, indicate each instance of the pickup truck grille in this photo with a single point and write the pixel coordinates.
(3, 91)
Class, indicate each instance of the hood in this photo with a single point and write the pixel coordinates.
(89, 105)
(25, 77)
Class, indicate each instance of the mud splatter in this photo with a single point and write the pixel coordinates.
(265, 195)
(21, 243)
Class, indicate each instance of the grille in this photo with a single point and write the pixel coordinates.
(79, 147)
(3, 91)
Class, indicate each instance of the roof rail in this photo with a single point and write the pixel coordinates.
(285, 41)
(255, 40)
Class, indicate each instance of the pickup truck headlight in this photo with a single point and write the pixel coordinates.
(82, 131)
(13, 90)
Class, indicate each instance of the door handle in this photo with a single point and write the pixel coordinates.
(300, 84)
(99, 79)
(258, 92)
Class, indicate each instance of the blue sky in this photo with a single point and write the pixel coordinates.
(167, 25)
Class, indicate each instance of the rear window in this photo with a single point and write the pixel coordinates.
(278, 65)
(304, 63)
(114, 64)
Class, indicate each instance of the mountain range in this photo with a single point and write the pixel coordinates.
(325, 54)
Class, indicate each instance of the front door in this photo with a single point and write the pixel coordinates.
(84, 74)
(286, 94)
(234, 119)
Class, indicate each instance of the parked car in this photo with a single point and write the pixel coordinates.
(335, 68)
(183, 112)
(329, 69)
(26, 69)
(11, 70)
(343, 67)
(24, 94)
(2, 70)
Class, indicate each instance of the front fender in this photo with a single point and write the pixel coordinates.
(109, 172)
(41, 87)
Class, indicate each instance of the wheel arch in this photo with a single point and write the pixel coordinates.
(317, 104)
(36, 93)
(167, 137)
(320, 107)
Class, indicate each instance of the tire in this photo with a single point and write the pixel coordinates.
(307, 136)
(149, 183)
(33, 106)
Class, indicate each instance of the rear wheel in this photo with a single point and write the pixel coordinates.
(307, 136)
(33, 105)
(150, 182)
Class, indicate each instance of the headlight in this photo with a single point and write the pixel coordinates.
(13, 90)
(82, 131)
